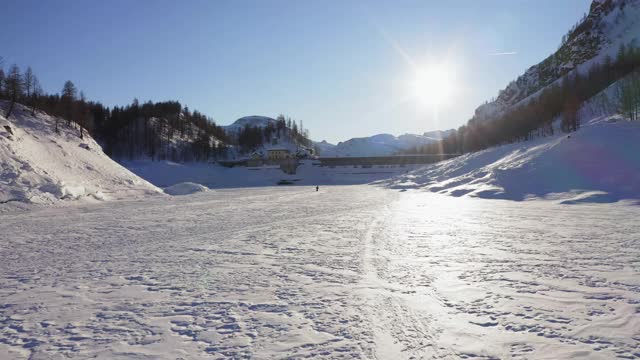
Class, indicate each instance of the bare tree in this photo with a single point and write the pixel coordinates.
(13, 86)
(28, 81)
(83, 113)
(2, 77)
(629, 95)
(36, 93)
(2, 82)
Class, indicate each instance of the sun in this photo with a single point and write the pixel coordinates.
(433, 84)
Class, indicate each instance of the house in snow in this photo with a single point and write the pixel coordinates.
(278, 154)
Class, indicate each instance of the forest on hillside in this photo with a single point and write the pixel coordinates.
(160, 130)
(284, 129)
(164, 130)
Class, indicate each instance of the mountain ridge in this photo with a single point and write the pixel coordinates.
(608, 24)
(383, 144)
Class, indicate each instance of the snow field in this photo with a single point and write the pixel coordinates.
(346, 272)
(165, 173)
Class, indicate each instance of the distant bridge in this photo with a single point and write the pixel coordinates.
(385, 160)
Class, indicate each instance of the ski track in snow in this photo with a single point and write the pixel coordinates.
(347, 272)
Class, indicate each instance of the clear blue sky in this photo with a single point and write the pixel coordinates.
(341, 66)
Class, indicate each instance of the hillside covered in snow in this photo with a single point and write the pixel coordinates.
(557, 129)
(598, 163)
(38, 165)
(252, 136)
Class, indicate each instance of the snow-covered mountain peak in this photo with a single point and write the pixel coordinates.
(253, 121)
(379, 145)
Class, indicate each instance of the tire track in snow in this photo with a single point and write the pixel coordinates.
(400, 332)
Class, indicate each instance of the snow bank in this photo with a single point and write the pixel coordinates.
(599, 163)
(185, 188)
(39, 166)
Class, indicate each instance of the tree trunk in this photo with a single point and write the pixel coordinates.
(13, 102)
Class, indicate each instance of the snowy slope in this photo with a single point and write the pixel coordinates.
(281, 139)
(609, 24)
(599, 163)
(381, 144)
(37, 165)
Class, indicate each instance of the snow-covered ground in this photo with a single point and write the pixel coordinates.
(164, 174)
(38, 165)
(598, 163)
(346, 272)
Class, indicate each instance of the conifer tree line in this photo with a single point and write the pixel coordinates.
(629, 94)
(284, 129)
(161, 130)
(562, 99)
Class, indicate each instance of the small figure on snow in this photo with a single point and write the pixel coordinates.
(317, 187)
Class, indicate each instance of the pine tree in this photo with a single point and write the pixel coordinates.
(68, 98)
(28, 81)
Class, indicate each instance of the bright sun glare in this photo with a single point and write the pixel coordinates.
(433, 84)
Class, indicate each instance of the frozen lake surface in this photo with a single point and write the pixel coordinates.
(347, 272)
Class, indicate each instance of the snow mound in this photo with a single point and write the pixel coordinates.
(185, 188)
(38, 165)
(599, 163)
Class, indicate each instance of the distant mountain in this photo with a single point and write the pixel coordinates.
(253, 121)
(254, 135)
(609, 24)
(378, 145)
(323, 147)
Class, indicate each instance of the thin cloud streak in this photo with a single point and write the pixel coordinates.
(504, 53)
